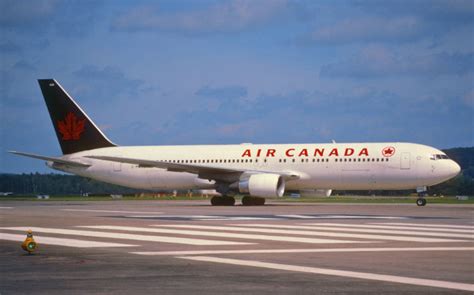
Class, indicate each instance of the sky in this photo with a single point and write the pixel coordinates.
(219, 72)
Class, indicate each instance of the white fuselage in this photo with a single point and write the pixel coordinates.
(342, 166)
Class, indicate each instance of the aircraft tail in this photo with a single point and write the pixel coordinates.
(75, 130)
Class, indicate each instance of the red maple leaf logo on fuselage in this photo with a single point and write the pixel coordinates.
(71, 127)
(388, 151)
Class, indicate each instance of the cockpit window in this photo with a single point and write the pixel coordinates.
(438, 157)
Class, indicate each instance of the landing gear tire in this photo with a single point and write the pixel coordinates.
(222, 201)
(421, 202)
(253, 201)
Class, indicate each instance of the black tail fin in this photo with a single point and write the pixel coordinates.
(75, 130)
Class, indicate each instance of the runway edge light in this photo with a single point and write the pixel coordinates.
(29, 244)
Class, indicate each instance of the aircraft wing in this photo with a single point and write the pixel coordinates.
(205, 172)
(52, 159)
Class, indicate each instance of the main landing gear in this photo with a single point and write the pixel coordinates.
(223, 201)
(253, 201)
(230, 201)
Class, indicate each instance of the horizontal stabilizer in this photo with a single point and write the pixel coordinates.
(52, 159)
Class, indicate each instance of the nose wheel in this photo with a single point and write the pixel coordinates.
(422, 191)
(421, 202)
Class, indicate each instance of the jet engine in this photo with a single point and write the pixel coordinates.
(263, 185)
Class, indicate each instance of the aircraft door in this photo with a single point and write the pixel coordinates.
(117, 167)
(405, 161)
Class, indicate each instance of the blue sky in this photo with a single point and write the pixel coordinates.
(262, 71)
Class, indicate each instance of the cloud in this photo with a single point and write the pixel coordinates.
(65, 18)
(379, 62)
(9, 47)
(105, 83)
(468, 98)
(369, 29)
(23, 65)
(19, 87)
(396, 22)
(22, 13)
(228, 92)
(231, 16)
(444, 11)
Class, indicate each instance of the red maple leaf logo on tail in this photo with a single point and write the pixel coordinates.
(71, 127)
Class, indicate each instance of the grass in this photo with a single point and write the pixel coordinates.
(332, 199)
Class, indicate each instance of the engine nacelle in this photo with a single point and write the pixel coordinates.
(263, 185)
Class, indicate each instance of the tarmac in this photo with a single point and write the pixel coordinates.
(184, 247)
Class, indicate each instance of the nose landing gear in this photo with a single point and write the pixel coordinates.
(421, 201)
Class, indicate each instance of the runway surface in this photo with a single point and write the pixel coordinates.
(183, 247)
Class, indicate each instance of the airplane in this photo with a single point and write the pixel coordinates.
(257, 171)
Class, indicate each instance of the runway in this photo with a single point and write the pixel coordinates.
(182, 247)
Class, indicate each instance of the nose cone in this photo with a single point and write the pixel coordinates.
(454, 168)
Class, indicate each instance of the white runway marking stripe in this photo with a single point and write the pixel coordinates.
(6, 207)
(411, 228)
(367, 233)
(208, 218)
(297, 216)
(231, 218)
(349, 217)
(222, 234)
(388, 231)
(335, 272)
(110, 211)
(299, 230)
(109, 235)
(62, 242)
(276, 251)
(427, 225)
